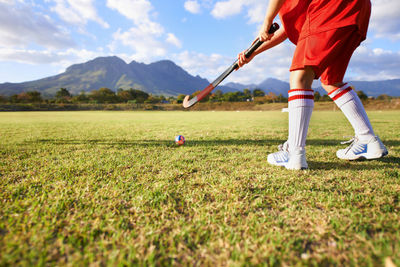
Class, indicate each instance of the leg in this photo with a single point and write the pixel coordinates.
(366, 144)
(302, 78)
(348, 101)
(301, 103)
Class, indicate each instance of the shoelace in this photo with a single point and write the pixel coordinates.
(352, 141)
(284, 147)
(354, 138)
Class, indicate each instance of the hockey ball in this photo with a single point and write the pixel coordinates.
(180, 140)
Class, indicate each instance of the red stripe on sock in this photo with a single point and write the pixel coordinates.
(348, 89)
(331, 92)
(301, 97)
(338, 89)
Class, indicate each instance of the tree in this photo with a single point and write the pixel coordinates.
(216, 96)
(271, 97)
(317, 96)
(139, 95)
(152, 99)
(171, 99)
(325, 98)
(14, 99)
(384, 97)
(63, 92)
(27, 97)
(103, 95)
(247, 93)
(81, 98)
(281, 99)
(132, 95)
(124, 96)
(180, 98)
(258, 92)
(34, 96)
(362, 95)
(63, 95)
(230, 97)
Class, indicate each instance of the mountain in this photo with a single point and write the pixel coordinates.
(162, 77)
(159, 78)
(241, 87)
(376, 88)
(275, 86)
(269, 85)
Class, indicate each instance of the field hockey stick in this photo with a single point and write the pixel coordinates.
(188, 103)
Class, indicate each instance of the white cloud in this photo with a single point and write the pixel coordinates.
(146, 46)
(385, 21)
(374, 64)
(207, 66)
(192, 6)
(224, 9)
(172, 39)
(20, 25)
(136, 10)
(255, 9)
(57, 58)
(366, 64)
(78, 12)
(147, 38)
(274, 63)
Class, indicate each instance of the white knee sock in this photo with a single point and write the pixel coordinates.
(348, 101)
(301, 104)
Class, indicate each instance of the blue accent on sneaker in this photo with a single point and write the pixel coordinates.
(364, 148)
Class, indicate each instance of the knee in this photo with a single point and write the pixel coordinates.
(327, 87)
(302, 79)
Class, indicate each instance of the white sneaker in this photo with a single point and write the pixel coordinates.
(294, 160)
(373, 149)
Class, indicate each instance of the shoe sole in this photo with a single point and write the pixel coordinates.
(368, 157)
(289, 168)
(297, 169)
(286, 165)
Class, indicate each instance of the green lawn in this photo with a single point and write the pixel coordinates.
(101, 188)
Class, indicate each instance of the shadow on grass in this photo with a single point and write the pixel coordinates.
(158, 143)
(389, 161)
(190, 143)
(358, 165)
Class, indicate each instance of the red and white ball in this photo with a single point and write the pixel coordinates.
(180, 140)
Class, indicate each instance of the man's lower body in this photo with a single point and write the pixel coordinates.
(325, 55)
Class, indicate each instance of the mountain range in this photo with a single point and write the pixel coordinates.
(158, 78)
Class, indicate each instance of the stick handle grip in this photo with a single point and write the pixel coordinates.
(257, 43)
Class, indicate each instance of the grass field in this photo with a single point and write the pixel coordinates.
(108, 188)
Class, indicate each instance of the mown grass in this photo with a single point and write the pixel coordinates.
(108, 188)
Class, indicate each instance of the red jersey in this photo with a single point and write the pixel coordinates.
(302, 18)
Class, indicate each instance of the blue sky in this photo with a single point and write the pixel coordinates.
(43, 37)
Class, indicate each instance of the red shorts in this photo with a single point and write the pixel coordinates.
(328, 53)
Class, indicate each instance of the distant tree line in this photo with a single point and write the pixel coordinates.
(108, 96)
(101, 96)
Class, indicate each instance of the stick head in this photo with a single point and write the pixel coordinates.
(188, 103)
